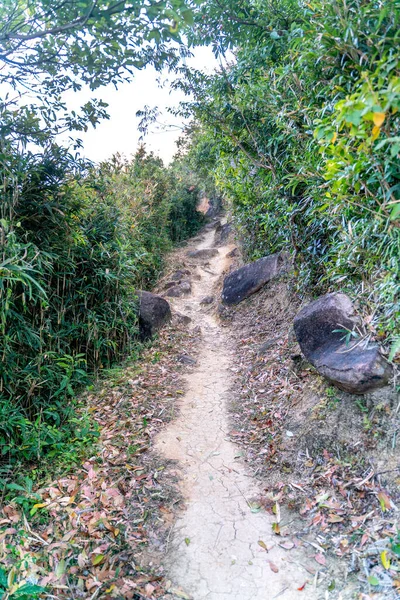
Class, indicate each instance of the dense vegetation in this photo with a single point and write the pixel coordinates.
(76, 244)
(302, 130)
(77, 240)
(299, 129)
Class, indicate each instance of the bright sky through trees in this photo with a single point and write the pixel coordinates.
(120, 133)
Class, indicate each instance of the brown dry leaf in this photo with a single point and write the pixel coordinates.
(273, 566)
(287, 545)
(334, 518)
(384, 501)
(320, 558)
(180, 593)
(149, 589)
(276, 529)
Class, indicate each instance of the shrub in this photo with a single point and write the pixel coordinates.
(77, 242)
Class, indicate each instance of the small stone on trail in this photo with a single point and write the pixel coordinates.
(266, 346)
(180, 274)
(222, 233)
(207, 300)
(179, 290)
(182, 318)
(204, 253)
(233, 253)
(187, 360)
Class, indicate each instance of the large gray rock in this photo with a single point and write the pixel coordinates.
(321, 329)
(154, 312)
(247, 280)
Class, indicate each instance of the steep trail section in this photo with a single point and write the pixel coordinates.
(222, 546)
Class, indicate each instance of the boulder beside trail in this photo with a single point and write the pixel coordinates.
(321, 329)
(247, 280)
(154, 312)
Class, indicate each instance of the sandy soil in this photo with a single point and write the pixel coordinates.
(222, 545)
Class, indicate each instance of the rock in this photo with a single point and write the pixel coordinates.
(214, 206)
(354, 367)
(222, 233)
(212, 225)
(180, 274)
(186, 359)
(184, 287)
(247, 280)
(207, 300)
(185, 319)
(154, 312)
(265, 347)
(233, 253)
(204, 253)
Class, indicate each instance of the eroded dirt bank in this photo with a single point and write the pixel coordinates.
(222, 545)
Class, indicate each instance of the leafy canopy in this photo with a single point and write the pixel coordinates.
(48, 47)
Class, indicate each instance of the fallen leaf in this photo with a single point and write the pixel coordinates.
(273, 566)
(287, 545)
(384, 501)
(385, 559)
(320, 558)
(97, 559)
(301, 588)
(149, 589)
(263, 545)
(276, 529)
(335, 518)
(180, 593)
(277, 512)
(60, 569)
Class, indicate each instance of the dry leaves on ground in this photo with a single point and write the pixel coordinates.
(88, 530)
(317, 450)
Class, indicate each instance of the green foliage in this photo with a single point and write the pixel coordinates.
(15, 591)
(77, 242)
(48, 47)
(304, 127)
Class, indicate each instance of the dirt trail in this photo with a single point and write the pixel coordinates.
(214, 551)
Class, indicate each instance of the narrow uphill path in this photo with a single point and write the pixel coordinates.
(222, 546)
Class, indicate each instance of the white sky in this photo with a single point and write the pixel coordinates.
(119, 133)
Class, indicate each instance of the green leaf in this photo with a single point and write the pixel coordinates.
(395, 211)
(188, 16)
(27, 591)
(394, 349)
(3, 578)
